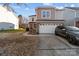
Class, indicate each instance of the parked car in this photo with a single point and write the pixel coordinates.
(71, 33)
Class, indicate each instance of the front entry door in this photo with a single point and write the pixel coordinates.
(77, 23)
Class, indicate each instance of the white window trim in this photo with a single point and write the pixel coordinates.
(46, 17)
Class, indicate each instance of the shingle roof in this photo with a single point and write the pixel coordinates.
(74, 8)
(32, 15)
(50, 7)
(45, 7)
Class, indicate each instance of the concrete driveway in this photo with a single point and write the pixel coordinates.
(51, 45)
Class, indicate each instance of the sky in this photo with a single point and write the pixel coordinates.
(29, 9)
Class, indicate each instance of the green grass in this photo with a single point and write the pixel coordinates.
(13, 30)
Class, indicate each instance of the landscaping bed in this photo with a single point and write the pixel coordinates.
(13, 30)
(15, 44)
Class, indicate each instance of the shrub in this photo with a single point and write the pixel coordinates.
(13, 30)
(27, 29)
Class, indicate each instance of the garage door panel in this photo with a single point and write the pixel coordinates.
(47, 28)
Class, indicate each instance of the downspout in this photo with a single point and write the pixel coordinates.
(75, 19)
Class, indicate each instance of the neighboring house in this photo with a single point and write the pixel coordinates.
(8, 20)
(71, 16)
(22, 22)
(32, 18)
(32, 24)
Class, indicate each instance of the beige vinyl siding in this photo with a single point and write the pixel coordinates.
(69, 16)
(59, 15)
(77, 13)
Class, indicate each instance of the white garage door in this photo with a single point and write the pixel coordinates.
(47, 28)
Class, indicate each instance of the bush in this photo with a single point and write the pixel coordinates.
(27, 29)
(13, 30)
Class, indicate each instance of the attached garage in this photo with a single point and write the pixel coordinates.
(47, 28)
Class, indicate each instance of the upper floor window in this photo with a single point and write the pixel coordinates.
(45, 14)
(77, 15)
(32, 19)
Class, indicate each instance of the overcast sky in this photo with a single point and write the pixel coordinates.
(30, 8)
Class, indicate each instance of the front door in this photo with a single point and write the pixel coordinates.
(77, 23)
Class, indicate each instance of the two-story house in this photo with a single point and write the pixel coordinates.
(32, 18)
(32, 24)
(47, 18)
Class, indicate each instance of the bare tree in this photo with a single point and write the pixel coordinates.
(9, 7)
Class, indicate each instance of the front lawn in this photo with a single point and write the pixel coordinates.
(13, 30)
(15, 44)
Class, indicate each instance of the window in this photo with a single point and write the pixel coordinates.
(32, 19)
(77, 15)
(45, 14)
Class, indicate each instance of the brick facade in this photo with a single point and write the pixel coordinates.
(33, 27)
